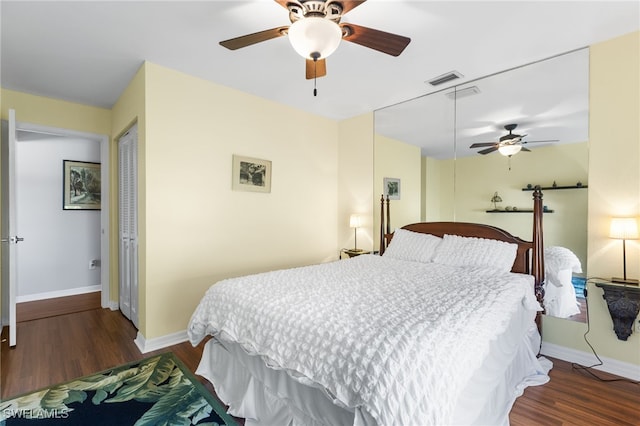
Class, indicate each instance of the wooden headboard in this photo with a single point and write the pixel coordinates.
(529, 257)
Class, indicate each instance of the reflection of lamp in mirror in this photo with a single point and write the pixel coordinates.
(509, 150)
(624, 228)
(355, 222)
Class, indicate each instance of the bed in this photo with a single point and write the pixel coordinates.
(438, 329)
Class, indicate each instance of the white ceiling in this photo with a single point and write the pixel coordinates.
(88, 51)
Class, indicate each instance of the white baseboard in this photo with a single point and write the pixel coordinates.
(161, 342)
(609, 365)
(60, 293)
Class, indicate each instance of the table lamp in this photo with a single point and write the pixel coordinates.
(624, 228)
(355, 222)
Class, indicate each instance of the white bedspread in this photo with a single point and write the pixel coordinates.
(398, 339)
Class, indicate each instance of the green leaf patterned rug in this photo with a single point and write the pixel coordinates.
(158, 390)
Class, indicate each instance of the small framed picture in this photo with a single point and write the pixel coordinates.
(251, 174)
(392, 188)
(81, 187)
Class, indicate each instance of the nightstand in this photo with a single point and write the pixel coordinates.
(623, 302)
(353, 253)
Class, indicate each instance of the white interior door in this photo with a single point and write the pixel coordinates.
(128, 222)
(9, 238)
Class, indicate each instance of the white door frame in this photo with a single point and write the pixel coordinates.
(104, 212)
(9, 236)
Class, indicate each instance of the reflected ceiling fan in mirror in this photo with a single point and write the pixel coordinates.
(315, 33)
(508, 145)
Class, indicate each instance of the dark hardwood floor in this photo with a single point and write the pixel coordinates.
(61, 348)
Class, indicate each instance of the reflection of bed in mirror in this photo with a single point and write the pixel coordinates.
(547, 99)
(433, 331)
(560, 299)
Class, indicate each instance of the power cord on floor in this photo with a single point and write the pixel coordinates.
(588, 369)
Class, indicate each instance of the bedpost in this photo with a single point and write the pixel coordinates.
(388, 217)
(537, 258)
(381, 250)
(384, 228)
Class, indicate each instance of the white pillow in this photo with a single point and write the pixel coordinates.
(413, 246)
(557, 260)
(470, 251)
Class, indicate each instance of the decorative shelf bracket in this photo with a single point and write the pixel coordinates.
(624, 305)
(553, 188)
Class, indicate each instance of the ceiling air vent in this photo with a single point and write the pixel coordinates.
(444, 78)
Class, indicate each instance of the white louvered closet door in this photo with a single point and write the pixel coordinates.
(128, 220)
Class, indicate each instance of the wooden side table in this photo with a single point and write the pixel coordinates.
(623, 302)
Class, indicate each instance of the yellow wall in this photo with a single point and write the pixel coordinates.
(56, 113)
(614, 189)
(355, 168)
(395, 159)
(438, 192)
(197, 230)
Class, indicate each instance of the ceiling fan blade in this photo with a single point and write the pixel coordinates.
(525, 149)
(391, 44)
(284, 3)
(482, 144)
(488, 150)
(315, 69)
(249, 39)
(549, 140)
(347, 5)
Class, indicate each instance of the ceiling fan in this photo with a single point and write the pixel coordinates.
(315, 33)
(508, 145)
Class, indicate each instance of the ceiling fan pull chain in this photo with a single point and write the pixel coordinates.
(315, 91)
(315, 72)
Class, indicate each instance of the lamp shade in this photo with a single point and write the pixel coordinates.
(355, 221)
(315, 35)
(508, 150)
(624, 228)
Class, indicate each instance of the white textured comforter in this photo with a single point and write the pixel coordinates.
(398, 339)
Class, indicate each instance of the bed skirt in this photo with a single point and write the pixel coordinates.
(266, 396)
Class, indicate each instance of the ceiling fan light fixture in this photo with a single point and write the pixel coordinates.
(315, 37)
(509, 150)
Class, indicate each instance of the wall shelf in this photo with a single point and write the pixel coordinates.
(516, 211)
(553, 188)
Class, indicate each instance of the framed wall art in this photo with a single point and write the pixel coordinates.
(392, 188)
(81, 185)
(251, 174)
